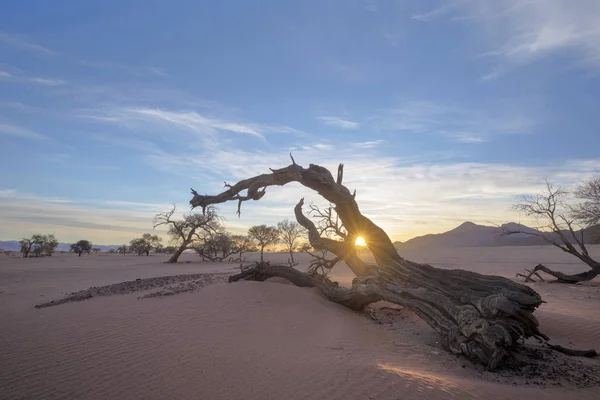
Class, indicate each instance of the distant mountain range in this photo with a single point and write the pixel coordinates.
(13, 245)
(469, 234)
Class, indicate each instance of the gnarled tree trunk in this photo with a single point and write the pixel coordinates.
(481, 317)
(175, 256)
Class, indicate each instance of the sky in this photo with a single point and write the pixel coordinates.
(441, 111)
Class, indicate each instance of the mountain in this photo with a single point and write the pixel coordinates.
(469, 234)
(13, 245)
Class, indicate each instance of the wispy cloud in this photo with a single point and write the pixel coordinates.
(15, 105)
(16, 195)
(406, 197)
(522, 32)
(198, 123)
(29, 79)
(369, 144)
(132, 70)
(460, 123)
(339, 122)
(17, 131)
(57, 158)
(23, 44)
(107, 222)
(208, 129)
(372, 7)
(438, 12)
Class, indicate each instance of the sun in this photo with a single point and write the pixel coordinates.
(360, 241)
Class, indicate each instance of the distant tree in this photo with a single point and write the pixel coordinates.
(587, 211)
(49, 244)
(123, 249)
(216, 247)
(190, 231)
(169, 249)
(26, 245)
(38, 245)
(81, 246)
(145, 244)
(264, 235)
(96, 250)
(112, 251)
(290, 233)
(243, 244)
(564, 226)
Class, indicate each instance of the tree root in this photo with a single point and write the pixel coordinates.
(572, 352)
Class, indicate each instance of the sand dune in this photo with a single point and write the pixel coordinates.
(246, 340)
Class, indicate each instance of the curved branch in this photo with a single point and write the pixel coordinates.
(320, 180)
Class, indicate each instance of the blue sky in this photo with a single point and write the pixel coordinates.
(441, 111)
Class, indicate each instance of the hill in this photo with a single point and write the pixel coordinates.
(469, 234)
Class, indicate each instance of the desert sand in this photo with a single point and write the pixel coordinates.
(271, 340)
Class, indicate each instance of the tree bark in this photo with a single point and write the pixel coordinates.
(177, 253)
(481, 317)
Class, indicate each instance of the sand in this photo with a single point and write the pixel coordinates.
(270, 340)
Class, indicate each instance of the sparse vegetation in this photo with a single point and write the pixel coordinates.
(191, 231)
(145, 244)
(290, 233)
(265, 236)
(568, 227)
(216, 247)
(82, 246)
(243, 244)
(38, 245)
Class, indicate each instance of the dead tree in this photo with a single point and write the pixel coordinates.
(482, 317)
(561, 229)
(189, 229)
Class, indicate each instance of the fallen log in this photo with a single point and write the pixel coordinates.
(479, 316)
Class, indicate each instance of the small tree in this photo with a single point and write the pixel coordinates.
(265, 236)
(96, 250)
(38, 245)
(169, 249)
(81, 246)
(123, 249)
(290, 233)
(243, 244)
(26, 245)
(190, 231)
(145, 244)
(50, 243)
(587, 212)
(217, 247)
(564, 226)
